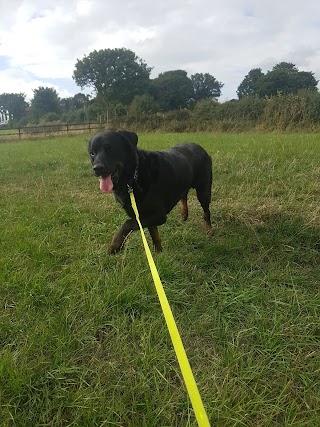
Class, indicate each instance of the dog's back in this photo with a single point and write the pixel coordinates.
(198, 160)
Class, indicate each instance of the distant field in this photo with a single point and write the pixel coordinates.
(49, 130)
(83, 340)
(8, 132)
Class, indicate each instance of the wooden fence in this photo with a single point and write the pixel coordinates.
(50, 130)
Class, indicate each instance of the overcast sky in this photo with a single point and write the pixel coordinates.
(41, 40)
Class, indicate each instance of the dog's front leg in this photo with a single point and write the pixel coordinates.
(130, 225)
(120, 237)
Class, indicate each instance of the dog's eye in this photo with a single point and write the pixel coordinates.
(92, 153)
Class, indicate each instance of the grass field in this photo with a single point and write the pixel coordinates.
(48, 131)
(83, 340)
(8, 131)
(8, 134)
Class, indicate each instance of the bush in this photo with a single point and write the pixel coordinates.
(205, 112)
(75, 116)
(50, 118)
(142, 105)
(292, 112)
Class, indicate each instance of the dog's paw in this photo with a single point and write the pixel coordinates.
(210, 232)
(113, 250)
(158, 248)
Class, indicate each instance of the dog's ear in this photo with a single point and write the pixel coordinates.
(129, 136)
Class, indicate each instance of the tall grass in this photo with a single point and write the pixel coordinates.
(83, 340)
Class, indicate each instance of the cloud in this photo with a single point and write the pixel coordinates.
(41, 40)
(18, 81)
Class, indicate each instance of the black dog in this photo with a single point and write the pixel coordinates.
(159, 180)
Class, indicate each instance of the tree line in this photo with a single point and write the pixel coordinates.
(124, 92)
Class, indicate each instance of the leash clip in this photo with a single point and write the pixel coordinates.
(130, 189)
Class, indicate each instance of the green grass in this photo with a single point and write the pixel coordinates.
(83, 340)
(8, 134)
(8, 131)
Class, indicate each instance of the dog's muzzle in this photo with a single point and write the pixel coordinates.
(99, 170)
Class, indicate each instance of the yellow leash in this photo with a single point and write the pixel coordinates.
(173, 330)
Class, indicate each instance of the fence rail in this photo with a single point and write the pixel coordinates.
(50, 130)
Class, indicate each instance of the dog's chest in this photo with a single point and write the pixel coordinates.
(123, 199)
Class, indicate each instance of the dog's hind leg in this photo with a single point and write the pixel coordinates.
(153, 230)
(204, 197)
(203, 186)
(203, 189)
(184, 207)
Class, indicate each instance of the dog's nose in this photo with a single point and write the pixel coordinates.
(98, 169)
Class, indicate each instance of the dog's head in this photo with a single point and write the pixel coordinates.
(113, 156)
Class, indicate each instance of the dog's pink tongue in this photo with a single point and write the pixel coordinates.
(106, 184)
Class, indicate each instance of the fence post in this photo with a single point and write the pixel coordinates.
(19, 130)
(89, 129)
(67, 128)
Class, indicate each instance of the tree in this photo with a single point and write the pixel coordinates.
(116, 75)
(286, 66)
(45, 100)
(305, 80)
(13, 105)
(285, 78)
(248, 86)
(274, 82)
(172, 90)
(205, 86)
(66, 104)
(80, 100)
